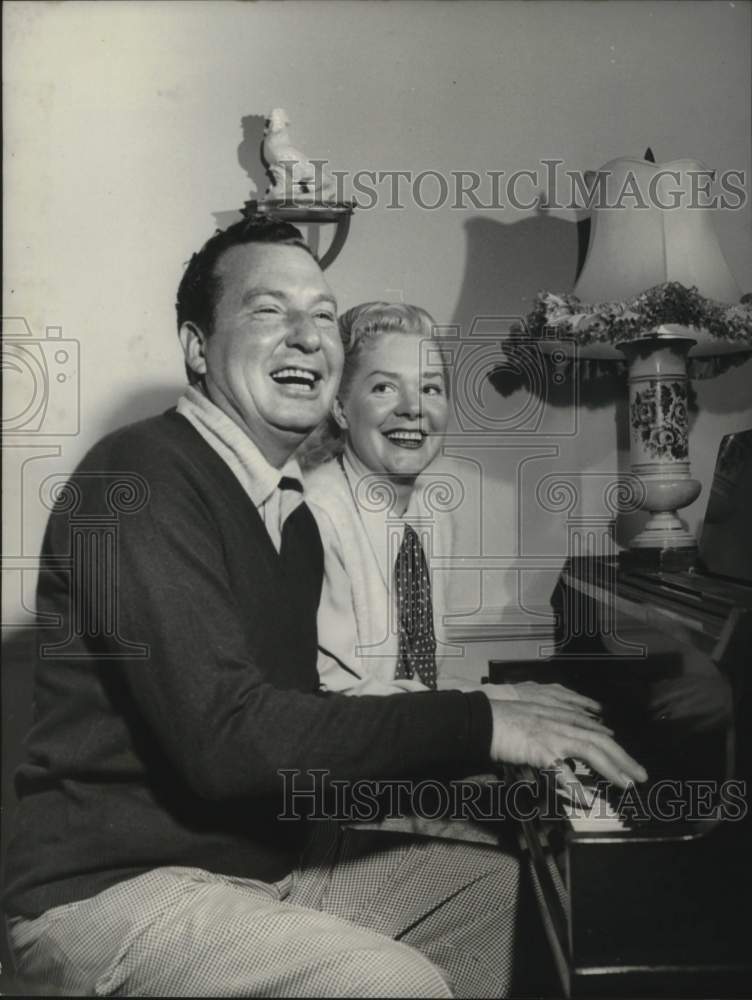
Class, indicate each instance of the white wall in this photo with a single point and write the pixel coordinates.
(122, 129)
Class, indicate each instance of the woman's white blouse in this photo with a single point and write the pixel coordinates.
(357, 621)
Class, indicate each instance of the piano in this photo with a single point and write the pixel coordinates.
(649, 892)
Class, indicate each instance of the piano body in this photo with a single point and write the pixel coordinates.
(650, 894)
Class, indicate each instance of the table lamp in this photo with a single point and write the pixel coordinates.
(655, 289)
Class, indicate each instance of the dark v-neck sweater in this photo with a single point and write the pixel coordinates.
(160, 729)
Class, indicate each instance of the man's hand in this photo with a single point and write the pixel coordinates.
(553, 695)
(542, 735)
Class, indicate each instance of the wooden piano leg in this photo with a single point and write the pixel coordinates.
(535, 973)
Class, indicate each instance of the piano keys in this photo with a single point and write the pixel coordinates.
(650, 892)
(589, 808)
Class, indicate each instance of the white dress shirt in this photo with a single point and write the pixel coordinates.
(256, 475)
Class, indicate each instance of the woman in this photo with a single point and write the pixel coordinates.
(386, 430)
(390, 417)
(379, 633)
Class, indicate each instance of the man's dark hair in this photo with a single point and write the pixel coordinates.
(200, 285)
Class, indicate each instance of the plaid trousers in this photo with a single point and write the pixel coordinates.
(368, 914)
(456, 902)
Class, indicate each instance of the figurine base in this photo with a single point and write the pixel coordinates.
(300, 210)
(338, 212)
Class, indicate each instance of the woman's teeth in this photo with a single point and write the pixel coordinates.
(405, 439)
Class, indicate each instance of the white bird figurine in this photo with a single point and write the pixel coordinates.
(294, 177)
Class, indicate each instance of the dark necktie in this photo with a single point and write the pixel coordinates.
(302, 557)
(417, 640)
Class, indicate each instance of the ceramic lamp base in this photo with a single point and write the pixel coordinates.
(659, 441)
(664, 531)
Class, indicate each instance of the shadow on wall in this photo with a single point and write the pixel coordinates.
(249, 153)
(141, 405)
(506, 265)
(249, 158)
(729, 392)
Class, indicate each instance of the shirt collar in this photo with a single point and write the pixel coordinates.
(256, 475)
(357, 470)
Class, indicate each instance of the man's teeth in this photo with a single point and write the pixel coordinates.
(295, 376)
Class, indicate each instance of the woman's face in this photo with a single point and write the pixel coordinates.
(396, 409)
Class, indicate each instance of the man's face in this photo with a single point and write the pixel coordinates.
(274, 356)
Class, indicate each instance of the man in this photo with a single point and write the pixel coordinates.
(148, 858)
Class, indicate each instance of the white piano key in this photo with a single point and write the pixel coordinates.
(595, 824)
(586, 808)
(577, 796)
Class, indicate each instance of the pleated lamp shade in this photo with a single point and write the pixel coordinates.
(635, 243)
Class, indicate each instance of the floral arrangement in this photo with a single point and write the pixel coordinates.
(613, 321)
(610, 322)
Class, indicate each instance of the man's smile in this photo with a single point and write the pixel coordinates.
(300, 381)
